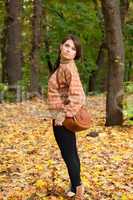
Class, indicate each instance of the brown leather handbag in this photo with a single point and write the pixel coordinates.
(81, 121)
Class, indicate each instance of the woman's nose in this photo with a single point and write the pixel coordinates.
(68, 49)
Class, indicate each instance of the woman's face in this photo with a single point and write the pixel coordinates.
(68, 50)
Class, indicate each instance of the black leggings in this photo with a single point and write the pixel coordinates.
(66, 141)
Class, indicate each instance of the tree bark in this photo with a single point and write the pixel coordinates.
(36, 27)
(13, 47)
(4, 52)
(50, 66)
(112, 20)
(100, 62)
(46, 41)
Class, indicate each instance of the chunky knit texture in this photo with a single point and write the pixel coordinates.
(66, 94)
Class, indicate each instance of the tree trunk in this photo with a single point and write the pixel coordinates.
(111, 12)
(100, 63)
(36, 27)
(46, 41)
(50, 66)
(4, 52)
(124, 6)
(130, 71)
(13, 55)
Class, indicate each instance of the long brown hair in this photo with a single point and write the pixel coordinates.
(77, 44)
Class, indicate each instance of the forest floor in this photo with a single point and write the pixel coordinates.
(31, 167)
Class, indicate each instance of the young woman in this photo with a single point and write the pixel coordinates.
(65, 97)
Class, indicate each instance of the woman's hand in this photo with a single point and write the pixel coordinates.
(59, 119)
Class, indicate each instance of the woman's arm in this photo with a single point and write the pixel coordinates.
(76, 95)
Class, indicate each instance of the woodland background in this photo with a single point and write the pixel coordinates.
(31, 31)
(31, 166)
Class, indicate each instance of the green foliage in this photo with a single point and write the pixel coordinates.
(2, 14)
(3, 87)
(128, 40)
(128, 104)
(80, 19)
(6, 94)
(129, 112)
(129, 87)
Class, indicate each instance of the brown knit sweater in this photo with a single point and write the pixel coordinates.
(65, 93)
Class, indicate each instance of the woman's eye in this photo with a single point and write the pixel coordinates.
(73, 48)
(67, 45)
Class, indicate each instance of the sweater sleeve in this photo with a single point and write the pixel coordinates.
(76, 95)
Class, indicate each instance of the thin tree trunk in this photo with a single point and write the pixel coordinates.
(4, 52)
(111, 12)
(99, 65)
(36, 27)
(50, 66)
(13, 56)
(130, 71)
(46, 41)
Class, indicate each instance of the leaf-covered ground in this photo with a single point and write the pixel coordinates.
(31, 167)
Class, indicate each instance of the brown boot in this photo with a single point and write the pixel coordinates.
(80, 192)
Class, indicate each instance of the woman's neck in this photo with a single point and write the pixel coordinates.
(65, 60)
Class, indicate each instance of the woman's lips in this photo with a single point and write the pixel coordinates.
(67, 54)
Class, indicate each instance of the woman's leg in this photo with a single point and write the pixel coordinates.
(66, 141)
